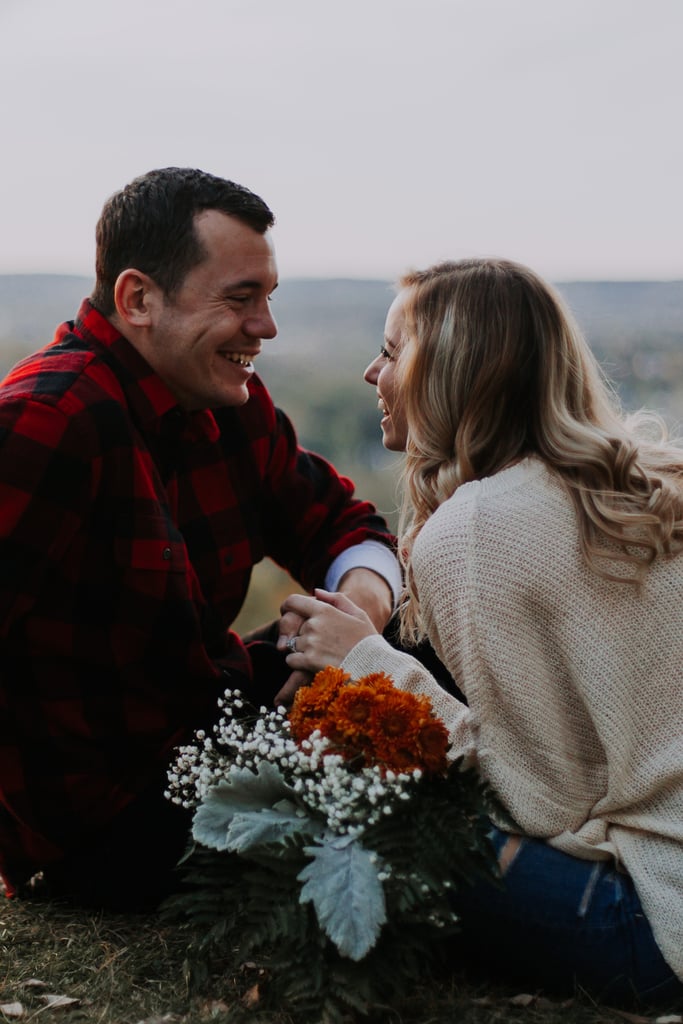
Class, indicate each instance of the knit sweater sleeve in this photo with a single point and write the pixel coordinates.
(374, 654)
(439, 580)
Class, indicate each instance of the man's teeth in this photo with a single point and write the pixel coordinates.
(238, 357)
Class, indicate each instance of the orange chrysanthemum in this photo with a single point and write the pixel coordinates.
(352, 710)
(372, 719)
(311, 703)
(380, 681)
(433, 744)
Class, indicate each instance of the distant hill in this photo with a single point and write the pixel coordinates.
(626, 312)
(319, 312)
(332, 328)
(31, 305)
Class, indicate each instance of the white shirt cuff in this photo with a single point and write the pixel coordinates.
(369, 554)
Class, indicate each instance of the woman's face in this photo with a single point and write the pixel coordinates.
(381, 373)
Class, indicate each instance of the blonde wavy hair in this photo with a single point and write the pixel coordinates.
(493, 368)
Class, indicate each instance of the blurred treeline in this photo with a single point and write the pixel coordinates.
(328, 332)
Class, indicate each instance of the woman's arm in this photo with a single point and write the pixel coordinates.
(337, 632)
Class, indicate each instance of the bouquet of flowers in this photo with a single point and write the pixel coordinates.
(329, 841)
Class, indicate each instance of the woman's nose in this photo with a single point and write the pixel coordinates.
(372, 372)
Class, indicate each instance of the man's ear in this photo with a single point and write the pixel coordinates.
(136, 297)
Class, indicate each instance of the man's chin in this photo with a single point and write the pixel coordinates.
(232, 397)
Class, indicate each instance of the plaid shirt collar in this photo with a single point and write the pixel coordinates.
(152, 403)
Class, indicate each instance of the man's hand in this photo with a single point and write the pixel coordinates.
(331, 625)
(370, 602)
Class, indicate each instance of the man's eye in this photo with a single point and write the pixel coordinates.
(385, 354)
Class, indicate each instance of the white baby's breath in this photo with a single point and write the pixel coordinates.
(348, 799)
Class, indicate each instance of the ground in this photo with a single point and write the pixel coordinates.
(66, 965)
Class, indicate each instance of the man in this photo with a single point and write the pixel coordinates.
(143, 472)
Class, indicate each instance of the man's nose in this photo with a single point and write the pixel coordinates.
(261, 326)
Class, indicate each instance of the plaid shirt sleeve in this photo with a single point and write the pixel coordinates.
(309, 513)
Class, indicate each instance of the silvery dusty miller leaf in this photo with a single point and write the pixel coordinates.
(242, 791)
(341, 881)
(251, 829)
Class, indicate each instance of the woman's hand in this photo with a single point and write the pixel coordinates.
(329, 625)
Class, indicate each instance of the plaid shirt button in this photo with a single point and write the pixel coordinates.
(166, 554)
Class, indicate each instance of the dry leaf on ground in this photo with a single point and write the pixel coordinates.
(13, 1010)
(523, 999)
(168, 1018)
(57, 1002)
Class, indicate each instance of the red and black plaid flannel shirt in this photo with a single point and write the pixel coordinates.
(128, 532)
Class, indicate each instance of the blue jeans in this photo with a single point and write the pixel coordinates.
(558, 922)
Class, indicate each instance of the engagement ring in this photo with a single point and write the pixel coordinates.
(291, 644)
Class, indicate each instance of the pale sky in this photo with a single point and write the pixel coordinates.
(383, 133)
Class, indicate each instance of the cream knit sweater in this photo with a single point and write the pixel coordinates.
(574, 683)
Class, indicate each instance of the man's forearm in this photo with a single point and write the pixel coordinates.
(370, 555)
(371, 592)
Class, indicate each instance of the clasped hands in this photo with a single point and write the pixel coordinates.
(327, 625)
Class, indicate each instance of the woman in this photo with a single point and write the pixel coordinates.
(540, 535)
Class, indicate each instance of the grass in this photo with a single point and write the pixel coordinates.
(129, 969)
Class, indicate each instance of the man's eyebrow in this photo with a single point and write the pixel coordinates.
(235, 286)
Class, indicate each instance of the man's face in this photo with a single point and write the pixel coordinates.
(204, 338)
